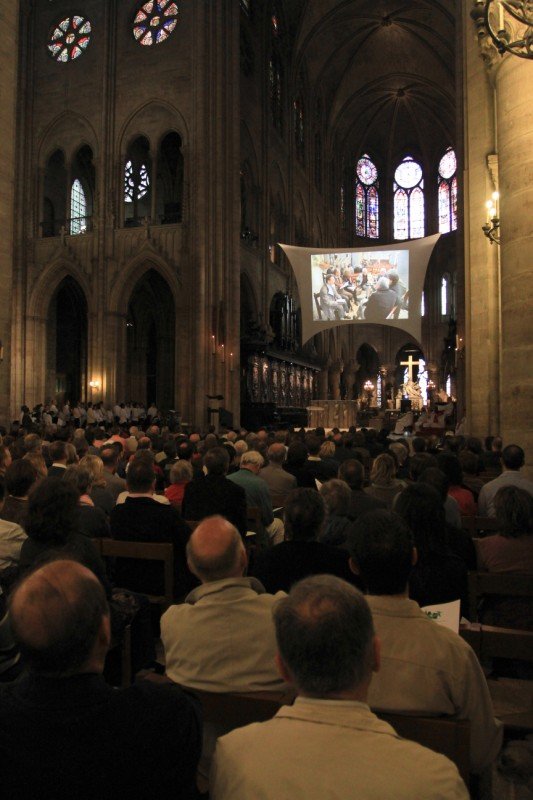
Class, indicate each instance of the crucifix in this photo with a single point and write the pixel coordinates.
(410, 363)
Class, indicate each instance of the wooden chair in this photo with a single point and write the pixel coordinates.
(120, 655)
(504, 584)
(316, 295)
(445, 735)
(478, 527)
(146, 551)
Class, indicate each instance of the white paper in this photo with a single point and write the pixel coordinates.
(446, 614)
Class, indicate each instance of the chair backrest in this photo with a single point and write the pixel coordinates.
(478, 527)
(504, 584)
(317, 303)
(146, 551)
(445, 735)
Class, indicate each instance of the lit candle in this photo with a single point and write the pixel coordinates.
(495, 203)
(213, 345)
(222, 354)
(231, 362)
(488, 206)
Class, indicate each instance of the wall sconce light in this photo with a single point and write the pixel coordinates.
(231, 362)
(94, 385)
(499, 18)
(491, 228)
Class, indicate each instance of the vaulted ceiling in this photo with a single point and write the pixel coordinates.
(384, 71)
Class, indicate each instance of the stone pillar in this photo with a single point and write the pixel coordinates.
(9, 25)
(482, 366)
(514, 85)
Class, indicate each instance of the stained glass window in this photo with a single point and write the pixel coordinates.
(78, 209)
(409, 213)
(447, 181)
(366, 198)
(69, 38)
(155, 21)
(275, 87)
(423, 305)
(136, 182)
(449, 386)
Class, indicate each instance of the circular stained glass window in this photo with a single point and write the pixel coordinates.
(69, 38)
(366, 171)
(408, 174)
(448, 164)
(155, 21)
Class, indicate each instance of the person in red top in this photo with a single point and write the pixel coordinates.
(180, 475)
(451, 466)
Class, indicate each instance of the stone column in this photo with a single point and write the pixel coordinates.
(514, 86)
(9, 25)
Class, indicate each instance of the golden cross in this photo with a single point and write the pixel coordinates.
(410, 363)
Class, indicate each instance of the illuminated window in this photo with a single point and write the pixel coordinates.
(409, 214)
(423, 305)
(366, 198)
(155, 21)
(447, 182)
(78, 209)
(449, 385)
(444, 288)
(136, 182)
(69, 38)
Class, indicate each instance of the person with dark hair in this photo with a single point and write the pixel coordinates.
(352, 471)
(297, 454)
(492, 456)
(64, 732)
(142, 519)
(426, 668)
(317, 468)
(471, 466)
(302, 553)
(20, 477)
(513, 459)
(450, 464)
(329, 743)
(511, 550)
(58, 456)
(212, 494)
(92, 521)
(337, 498)
(440, 575)
(435, 477)
(279, 481)
(418, 443)
(52, 526)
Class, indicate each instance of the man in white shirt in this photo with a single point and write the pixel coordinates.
(329, 743)
(513, 458)
(425, 667)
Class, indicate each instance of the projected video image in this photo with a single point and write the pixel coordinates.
(360, 287)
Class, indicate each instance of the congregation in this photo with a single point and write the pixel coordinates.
(301, 561)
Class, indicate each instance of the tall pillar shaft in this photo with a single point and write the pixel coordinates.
(9, 25)
(514, 83)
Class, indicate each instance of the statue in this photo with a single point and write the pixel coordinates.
(414, 394)
(335, 379)
(349, 378)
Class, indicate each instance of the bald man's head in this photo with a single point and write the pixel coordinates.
(215, 551)
(277, 453)
(60, 618)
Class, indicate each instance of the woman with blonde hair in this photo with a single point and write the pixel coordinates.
(101, 497)
(384, 485)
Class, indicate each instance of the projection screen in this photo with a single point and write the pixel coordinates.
(361, 285)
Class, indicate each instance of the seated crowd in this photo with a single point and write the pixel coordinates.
(278, 608)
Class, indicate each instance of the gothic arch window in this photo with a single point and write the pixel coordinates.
(155, 21)
(137, 182)
(366, 198)
(55, 194)
(169, 189)
(69, 38)
(409, 214)
(447, 182)
(78, 209)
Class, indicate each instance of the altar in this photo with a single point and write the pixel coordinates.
(332, 413)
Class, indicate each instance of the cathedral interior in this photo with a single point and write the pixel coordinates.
(156, 155)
